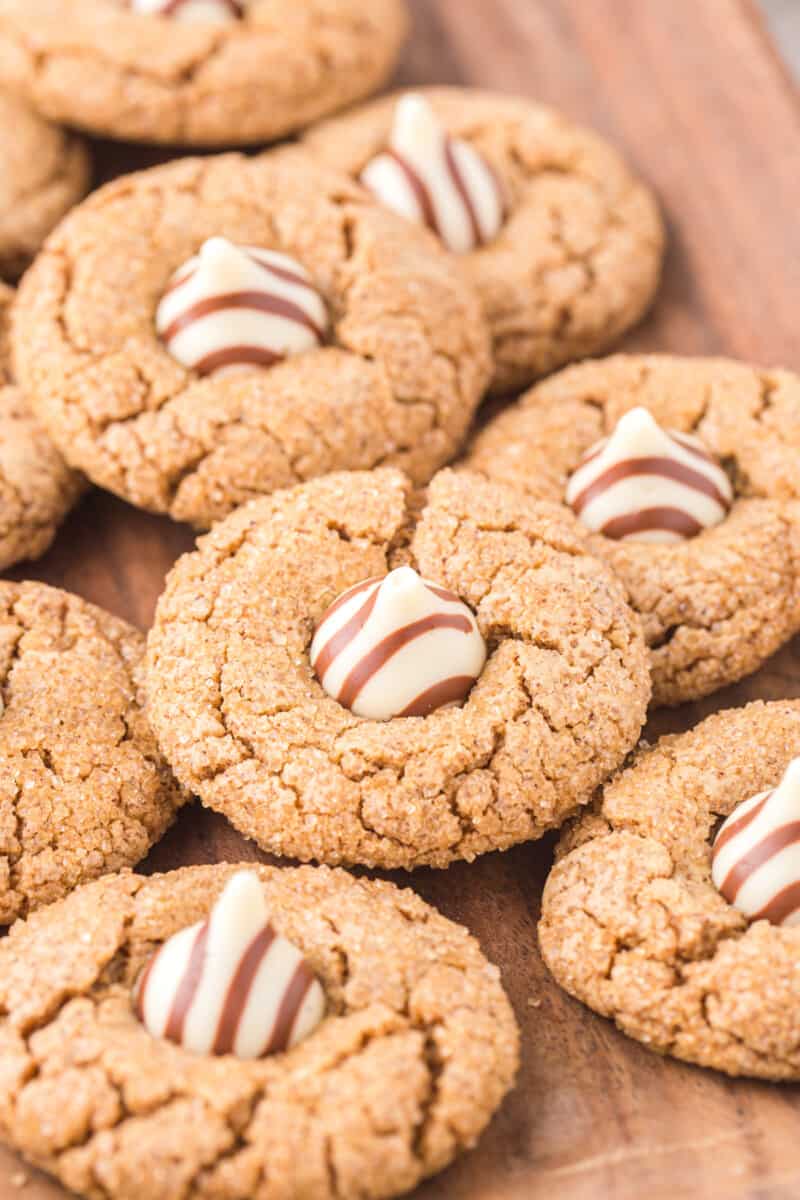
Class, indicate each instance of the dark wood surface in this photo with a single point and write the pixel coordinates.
(695, 94)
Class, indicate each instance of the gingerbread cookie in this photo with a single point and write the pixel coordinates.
(37, 488)
(692, 499)
(43, 172)
(415, 1048)
(562, 243)
(681, 934)
(83, 789)
(352, 672)
(197, 72)
(276, 324)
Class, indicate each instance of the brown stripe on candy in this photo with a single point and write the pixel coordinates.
(234, 356)
(736, 827)
(667, 468)
(419, 188)
(335, 645)
(349, 594)
(178, 281)
(443, 593)
(371, 663)
(141, 988)
(239, 991)
(593, 453)
(673, 519)
(461, 188)
(281, 272)
(683, 441)
(254, 301)
(187, 988)
(290, 1007)
(781, 906)
(449, 691)
(762, 852)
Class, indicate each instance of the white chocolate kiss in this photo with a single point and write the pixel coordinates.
(230, 984)
(756, 854)
(435, 180)
(210, 12)
(237, 306)
(645, 484)
(397, 647)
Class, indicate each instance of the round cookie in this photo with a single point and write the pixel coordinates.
(43, 172)
(716, 606)
(245, 724)
(144, 77)
(83, 788)
(578, 258)
(417, 1049)
(633, 926)
(37, 488)
(404, 365)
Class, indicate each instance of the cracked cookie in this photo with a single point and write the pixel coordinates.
(414, 1055)
(633, 925)
(37, 488)
(83, 788)
(562, 243)
(155, 72)
(321, 333)
(245, 722)
(43, 172)
(723, 596)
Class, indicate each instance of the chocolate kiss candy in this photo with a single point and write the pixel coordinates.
(239, 306)
(755, 861)
(210, 11)
(647, 485)
(397, 647)
(230, 984)
(435, 180)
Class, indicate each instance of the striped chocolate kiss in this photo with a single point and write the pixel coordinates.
(397, 647)
(238, 306)
(211, 11)
(436, 180)
(230, 984)
(755, 860)
(645, 484)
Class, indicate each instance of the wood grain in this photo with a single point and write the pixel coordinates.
(698, 98)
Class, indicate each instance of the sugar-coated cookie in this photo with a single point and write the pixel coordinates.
(415, 1049)
(561, 241)
(197, 72)
(37, 488)
(294, 616)
(43, 172)
(718, 591)
(635, 925)
(273, 323)
(83, 788)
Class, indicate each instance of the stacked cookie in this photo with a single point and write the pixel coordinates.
(396, 647)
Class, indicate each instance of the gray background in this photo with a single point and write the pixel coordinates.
(783, 18)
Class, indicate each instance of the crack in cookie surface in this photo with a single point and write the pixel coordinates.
(246, 725)
(716, 606)
(633, 926)
(375, 1098)
(83, 788)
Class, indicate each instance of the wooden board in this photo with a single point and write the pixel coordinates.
(695, 94)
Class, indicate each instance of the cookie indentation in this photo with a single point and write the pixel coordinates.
(237, 306)
(230, 984)
(397, 647)
(436, 180)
